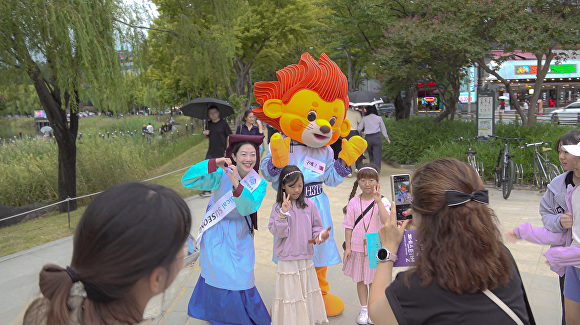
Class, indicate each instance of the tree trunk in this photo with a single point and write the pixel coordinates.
(507, 85)
(65, 134)
(540, 75)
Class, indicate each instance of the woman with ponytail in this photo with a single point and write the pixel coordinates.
(127, 248)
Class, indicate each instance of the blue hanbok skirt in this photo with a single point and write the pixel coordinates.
(227, 307)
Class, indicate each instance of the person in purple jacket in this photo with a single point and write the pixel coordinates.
(296, 223)
(557, 209)
(556, 217)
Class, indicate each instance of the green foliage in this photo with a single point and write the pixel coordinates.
(19, 99)
(28, 168)
(418, 140)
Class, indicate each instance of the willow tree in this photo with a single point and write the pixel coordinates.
(64, 47)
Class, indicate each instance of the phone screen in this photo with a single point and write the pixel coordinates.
(401, 194)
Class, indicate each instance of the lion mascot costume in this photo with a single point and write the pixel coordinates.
(308, 106)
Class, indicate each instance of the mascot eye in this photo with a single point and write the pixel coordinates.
(332, 121)
(312, 116)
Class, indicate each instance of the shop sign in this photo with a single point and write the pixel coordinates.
(554, 68)
(428, 84)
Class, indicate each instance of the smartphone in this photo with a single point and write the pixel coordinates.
(401, 191)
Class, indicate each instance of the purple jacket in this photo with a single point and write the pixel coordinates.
(558, 257)
(294, 232)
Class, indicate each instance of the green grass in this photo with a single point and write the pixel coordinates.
(54, 226)
(36, 232)
(29, 168)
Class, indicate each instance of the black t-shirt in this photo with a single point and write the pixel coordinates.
(218, 136)
(434, 305)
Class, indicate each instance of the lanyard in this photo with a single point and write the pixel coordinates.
(363, 220)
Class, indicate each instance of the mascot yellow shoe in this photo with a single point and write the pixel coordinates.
(332, 303)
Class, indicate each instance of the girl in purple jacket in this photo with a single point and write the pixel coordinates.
(562, 228)
(296, 224)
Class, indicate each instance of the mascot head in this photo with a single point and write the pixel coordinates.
(308, 103)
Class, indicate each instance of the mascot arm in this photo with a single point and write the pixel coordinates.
(352, 149)
(249, 202)
(203, 176)
(269, 171)
(279, 148)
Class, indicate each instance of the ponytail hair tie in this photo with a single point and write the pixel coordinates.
(73, 275)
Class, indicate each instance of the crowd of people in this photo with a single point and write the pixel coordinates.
(129, 244)
(463, 274)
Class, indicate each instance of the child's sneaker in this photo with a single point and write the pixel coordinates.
(370, 322)
(363, 317)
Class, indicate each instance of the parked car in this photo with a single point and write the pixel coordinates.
(566, 115)
(386, 109)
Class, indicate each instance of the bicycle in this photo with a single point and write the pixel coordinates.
(472, 155)
(544, 170)
(505, 169)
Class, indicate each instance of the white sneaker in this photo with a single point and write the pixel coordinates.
(349, 175)
(363, 317)
(370, 322)
(356, 170)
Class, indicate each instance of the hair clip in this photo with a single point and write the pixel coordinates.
(455, 198)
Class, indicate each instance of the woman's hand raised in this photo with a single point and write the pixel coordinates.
(391, 234)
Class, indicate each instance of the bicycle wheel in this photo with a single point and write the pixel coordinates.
(498, 174)
(553, 172)
(508, 182)
(538, 173)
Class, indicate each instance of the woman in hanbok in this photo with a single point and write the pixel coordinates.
(225, 292)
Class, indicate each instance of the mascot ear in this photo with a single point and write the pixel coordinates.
(345, 128)
(273, 108)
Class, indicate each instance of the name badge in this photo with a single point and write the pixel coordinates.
(251, 181)
(314, 165)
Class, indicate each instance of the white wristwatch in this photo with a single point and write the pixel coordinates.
(384, 255)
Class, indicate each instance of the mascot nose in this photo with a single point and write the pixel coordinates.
(325, 129)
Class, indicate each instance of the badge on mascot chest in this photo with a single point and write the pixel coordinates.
(314, 165)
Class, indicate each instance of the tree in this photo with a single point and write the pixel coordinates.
(190, 51)
(265, 31)
(356, 27)
(544, 28)
(427, 46)
(63, 47)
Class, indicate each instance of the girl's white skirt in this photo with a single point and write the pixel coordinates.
(297, 298)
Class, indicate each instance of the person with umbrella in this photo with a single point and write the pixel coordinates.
(217, 130)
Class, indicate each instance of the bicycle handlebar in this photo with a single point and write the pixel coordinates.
(507, 139)
(534, 144)
(470, 139)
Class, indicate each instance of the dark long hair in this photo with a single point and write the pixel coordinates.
(124, 234)
(291, 180)
(460, 247)
(570, 137)
(246, 113)
(372, 109)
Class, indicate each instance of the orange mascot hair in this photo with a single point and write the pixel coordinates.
(323, 77)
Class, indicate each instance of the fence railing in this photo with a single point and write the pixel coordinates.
(68, 199)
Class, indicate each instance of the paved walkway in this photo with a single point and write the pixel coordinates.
(19, 272)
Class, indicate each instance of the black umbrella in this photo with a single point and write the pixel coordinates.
(364, 98)
(198, 107)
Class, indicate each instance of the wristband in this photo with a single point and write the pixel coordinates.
(287, 213)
